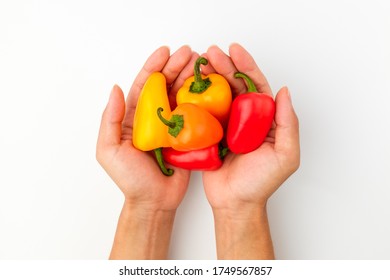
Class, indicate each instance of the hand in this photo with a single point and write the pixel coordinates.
(239, 190)
(150, 196)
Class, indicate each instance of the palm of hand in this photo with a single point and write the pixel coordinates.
(230, 184)
(135, 172)
(269, 165)
(141, 181)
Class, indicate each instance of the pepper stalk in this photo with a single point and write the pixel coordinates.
(175, 124)
(199, 84)
(250, 83)
(160, 161)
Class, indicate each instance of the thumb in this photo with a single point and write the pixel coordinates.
(111, 124)
(287, 126)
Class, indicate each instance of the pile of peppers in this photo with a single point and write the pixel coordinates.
(206, 123)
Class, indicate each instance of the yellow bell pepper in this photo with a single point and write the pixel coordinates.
(149, 133)
(211, 92)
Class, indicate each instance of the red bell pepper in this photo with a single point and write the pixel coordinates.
(206, 159)
(250, 120)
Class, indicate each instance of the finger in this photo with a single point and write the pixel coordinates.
(245, 63)
(176, 63)
(270, 136)
(187, 72)
(207, 69)
(111, 124)
(287, 126)
(154, 63)
(223, 65)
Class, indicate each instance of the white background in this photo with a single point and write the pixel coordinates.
(59, 60)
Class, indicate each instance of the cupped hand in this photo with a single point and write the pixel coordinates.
(250, 179)
(135, 172)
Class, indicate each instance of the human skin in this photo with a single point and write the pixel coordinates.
(238, 192)
(150, 198)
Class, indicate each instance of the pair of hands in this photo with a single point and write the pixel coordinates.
(239, 190)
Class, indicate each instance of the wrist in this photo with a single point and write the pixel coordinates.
(145, 213)
(241, 212)
(142, 232)
(243, 233)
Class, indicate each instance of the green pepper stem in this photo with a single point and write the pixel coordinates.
(165, 121)
(223, 152)
(251, 85)
(175, 124)
(197, 75)
(199, 84)
(160, 161)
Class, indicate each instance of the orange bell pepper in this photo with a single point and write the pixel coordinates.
(191, 127)
(211, 92)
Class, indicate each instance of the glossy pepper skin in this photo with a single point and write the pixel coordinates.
(206, 159)
(211, 92)
(148, 131)
(191, 128)
(250, 119)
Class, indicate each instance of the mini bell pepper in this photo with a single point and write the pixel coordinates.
(148, 131)
(191, 128)
(250, 119)
(206, 159)
(210, 92)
